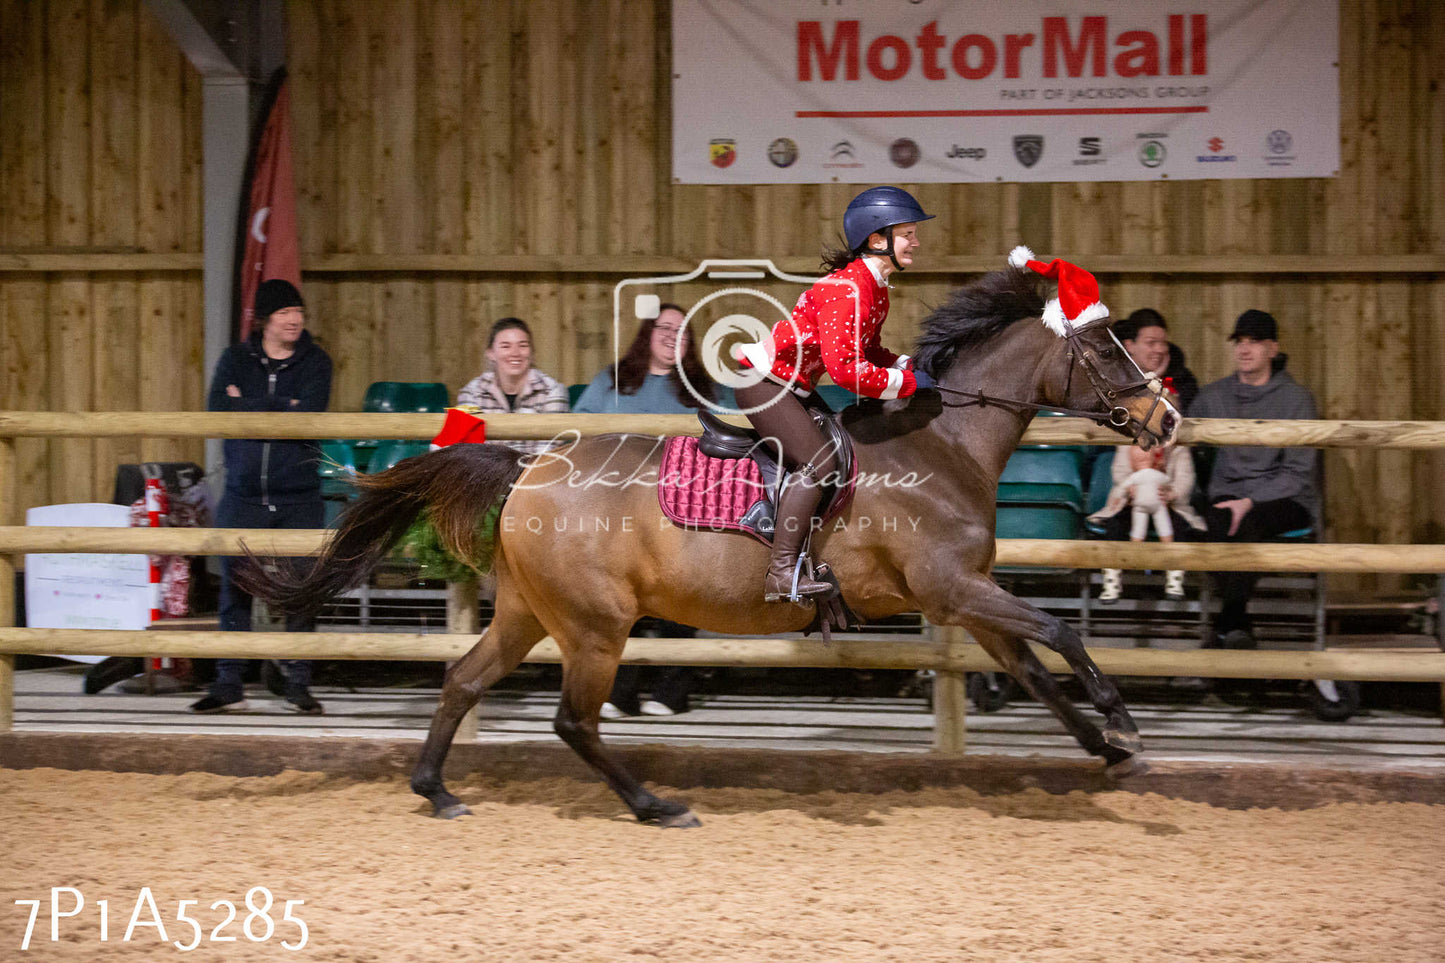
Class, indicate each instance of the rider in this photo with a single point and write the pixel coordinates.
(834, 327)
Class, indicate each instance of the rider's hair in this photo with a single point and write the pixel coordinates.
(631, 370)
(1127, 329)
(836, 258)
(508, 324)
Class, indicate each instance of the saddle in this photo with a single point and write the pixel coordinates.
(729, 442)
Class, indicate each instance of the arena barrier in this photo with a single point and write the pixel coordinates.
(950, 654)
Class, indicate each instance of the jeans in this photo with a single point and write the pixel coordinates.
(1262, 522)
(235, 606)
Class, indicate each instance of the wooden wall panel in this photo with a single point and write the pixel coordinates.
(507, 127)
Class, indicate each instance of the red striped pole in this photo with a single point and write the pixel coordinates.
(155, 508)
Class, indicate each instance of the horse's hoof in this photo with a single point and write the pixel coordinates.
(452, 811)
(1130, 742)
(1130, 766)
(683, 820)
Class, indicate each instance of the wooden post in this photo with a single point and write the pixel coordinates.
(7, 586)
(464, 618)
(950, 699)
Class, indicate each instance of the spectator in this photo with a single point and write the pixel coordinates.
(648, 378)
(1145, 335)
(1155, 485)
(510, 385)
(647, 381)
(1256, 493)
(272, 483)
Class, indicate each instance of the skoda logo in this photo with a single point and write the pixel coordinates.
(904, 152)
(1152, 153)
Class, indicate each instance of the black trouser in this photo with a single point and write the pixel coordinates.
(1264, 520)
(235, 607)
(669, 684)
(784, 418)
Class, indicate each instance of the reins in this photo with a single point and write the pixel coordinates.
(1117, 416)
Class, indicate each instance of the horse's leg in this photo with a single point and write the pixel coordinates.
(504, 644)
(978, 604)
(586, 682)
(1021, 663)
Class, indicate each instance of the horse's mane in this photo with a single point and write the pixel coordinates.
(974, 314)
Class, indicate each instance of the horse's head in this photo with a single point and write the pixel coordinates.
(1077, 365)
(1097, 376)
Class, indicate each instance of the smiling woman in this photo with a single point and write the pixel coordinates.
(510, 384)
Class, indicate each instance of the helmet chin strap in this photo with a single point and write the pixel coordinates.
(887, 233)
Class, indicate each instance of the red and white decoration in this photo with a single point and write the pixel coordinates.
(1078, 302)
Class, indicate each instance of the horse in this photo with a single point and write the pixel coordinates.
(996, 363)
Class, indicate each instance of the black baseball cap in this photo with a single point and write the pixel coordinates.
(1256, 324)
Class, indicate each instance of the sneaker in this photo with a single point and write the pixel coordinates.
(303, 702)
(651, 707)
(212, 704)
(1113, 585)
(1174, 584)
(610, 711)
(1239, 639)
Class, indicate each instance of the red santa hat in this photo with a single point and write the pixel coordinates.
(1078, 301)
(462, 426)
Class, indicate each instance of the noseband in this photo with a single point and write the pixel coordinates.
(1117, 416)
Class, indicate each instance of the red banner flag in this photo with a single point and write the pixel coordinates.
(272, 248)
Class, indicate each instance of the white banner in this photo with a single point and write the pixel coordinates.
(870, 91)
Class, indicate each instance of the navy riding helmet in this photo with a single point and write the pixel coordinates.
(876, 210)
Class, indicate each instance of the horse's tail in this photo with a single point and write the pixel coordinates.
(452, 491)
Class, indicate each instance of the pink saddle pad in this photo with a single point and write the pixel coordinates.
(698, 491)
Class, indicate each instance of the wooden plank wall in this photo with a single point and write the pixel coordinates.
(101, 118)
(435, 127)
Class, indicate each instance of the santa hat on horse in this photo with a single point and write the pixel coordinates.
(1078, 301)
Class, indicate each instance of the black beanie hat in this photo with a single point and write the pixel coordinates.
(275, 294)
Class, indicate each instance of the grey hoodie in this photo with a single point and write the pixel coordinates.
(1261, 474)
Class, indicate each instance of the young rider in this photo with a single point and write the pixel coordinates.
(834, 327)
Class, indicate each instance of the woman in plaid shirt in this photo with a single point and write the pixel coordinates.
(510, 385)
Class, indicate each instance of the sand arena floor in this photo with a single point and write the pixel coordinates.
(552, 870)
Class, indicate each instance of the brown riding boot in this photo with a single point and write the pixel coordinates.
(790, 529)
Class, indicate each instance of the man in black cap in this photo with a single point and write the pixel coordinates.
(1256, 493)
(269, 484)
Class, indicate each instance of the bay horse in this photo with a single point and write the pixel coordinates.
(586, 584)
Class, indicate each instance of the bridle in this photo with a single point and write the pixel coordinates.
(1108, 392)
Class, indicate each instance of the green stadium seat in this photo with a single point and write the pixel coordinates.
(573, 393)
(836, 398)
(1037, 521)
(427, 396)
(406, 396)
(1043, 476)
(337, 468)
(388, 453)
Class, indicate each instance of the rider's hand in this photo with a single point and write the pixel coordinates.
(924, 380)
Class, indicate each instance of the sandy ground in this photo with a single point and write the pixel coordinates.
(552, 870)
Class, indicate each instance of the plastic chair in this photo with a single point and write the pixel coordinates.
(573, 393)
(388, 453)
(337, 467)
(1042, 476)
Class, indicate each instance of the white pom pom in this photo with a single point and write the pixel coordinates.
(1020, 256)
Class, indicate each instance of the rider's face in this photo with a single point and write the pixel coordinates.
(905, 243)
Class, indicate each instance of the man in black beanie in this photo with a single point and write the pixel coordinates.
(1256, 493)
(269, 484)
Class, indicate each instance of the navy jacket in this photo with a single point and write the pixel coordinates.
(275, 471)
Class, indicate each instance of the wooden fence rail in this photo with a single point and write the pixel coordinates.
(950, 656)
(1032, 552)
(1418, 435)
